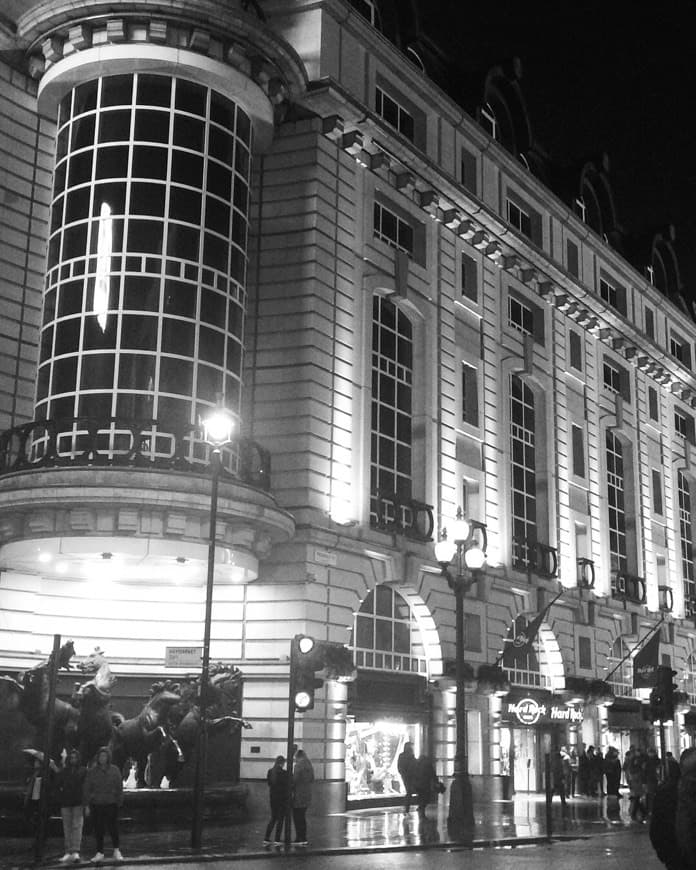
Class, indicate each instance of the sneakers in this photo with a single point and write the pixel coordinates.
(117, 855)
(268, 842)
(75, 858)
(98, 858)
(67, 857)
(301, 843)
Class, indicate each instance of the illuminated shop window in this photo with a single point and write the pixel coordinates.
(387, 636)
(145, 291)
(372, 752)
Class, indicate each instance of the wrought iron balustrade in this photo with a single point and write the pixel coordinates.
(390, 512)
(627, 587)
(126, 443)
(534, 557)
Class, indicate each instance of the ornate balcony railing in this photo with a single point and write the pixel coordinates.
(586, 573)
(390, 512)
(534, 557)
(126, 443)
(627, 587)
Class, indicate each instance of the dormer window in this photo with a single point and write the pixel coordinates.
(488, 120)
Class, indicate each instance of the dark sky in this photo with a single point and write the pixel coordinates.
(613, 76)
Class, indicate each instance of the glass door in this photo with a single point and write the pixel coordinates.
(525, 754)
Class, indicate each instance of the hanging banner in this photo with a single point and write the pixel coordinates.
(646, 662)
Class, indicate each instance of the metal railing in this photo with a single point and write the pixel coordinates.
(390, 512)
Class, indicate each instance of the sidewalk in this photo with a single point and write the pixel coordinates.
(500, 823)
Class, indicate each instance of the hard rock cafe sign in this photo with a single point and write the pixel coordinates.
(528, 711)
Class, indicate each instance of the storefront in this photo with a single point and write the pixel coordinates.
(627, 726)
(385, 711)
(534, 723)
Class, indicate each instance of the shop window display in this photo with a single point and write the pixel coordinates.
(372, 750)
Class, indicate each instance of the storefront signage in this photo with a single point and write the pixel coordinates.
(529, 712)
(183, 656)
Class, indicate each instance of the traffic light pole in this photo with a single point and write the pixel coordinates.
(290, 753)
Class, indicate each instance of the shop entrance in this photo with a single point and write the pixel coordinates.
(525, 752)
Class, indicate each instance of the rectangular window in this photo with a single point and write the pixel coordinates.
(393, 230)
(520, 316)
(650, 323)
(680, 349)
(572, 259)
(657, 491)
(394, 114)
(472, 632)
(684, 425)
(585, 653)
(469, 173)
(469, 277)
(520, 219)
(366, 8)
(578, 443)
(575, 351)
(616, 379)
(613, 295)
(470, 409)
(653, 408)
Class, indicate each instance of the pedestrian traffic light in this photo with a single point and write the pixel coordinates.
(305, 660)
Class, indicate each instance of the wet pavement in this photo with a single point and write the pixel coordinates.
(523, 819)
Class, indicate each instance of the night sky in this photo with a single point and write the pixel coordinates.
(613, 76)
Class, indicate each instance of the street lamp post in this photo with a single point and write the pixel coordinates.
(217, 432)
(468, 556)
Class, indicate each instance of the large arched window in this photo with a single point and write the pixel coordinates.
(387, 636)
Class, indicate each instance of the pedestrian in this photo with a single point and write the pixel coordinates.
(425, 782)
(557, 776)
(279, 794)
(103, 797)
(672, 766)
(612, 772)
(673, 819)
(573, 770)
(636, 786)
(406, 765)
(302, 779)
(652, 777)
(567, 770)
(69, 785)
(596, 762)
(583, 772)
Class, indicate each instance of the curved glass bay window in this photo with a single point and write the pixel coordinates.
(144, 301)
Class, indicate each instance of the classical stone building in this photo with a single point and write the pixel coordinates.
(409, 309)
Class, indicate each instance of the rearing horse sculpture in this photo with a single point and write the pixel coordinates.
(136, 738)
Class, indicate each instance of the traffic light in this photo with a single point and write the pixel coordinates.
(666, 689)
(309, 656)
(305, 660)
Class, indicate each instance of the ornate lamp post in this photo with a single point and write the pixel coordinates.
(465, 552)
(217, 432)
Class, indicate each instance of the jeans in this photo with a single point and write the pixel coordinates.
(73, 819)
(278, 809)
(299, 816)
(105, 817)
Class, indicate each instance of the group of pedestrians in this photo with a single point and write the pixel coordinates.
(94, 793)
(282, 792)
(673, 818)
(419, 778)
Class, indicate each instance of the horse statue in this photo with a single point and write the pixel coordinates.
(93, 699)
(136, 738)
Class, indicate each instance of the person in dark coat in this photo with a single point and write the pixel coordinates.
(670, 802)
(302, 779)
(406, 765)
(69, 784)
(279, 794)
(103, 797)
(558, 776)
(424, 782)
(583, 782)
(612, 772)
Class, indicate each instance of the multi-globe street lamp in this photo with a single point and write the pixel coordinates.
(218, 427)
(461, 556)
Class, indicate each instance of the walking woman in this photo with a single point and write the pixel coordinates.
(103, 797)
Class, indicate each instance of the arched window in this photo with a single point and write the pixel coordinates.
(392, 402)
(521, 658)
(386, 635)
(687, 543)
(621, 680)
